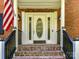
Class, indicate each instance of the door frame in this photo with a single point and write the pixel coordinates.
(46, 14)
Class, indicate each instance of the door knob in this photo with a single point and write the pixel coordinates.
(52, 30)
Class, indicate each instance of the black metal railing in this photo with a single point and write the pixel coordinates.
(67, 45)
(10, 46)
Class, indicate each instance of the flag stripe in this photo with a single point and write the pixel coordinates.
(5, 1)
(6, 7)
(6, 10)
(7, 24)
(7, 19)
(8, 15)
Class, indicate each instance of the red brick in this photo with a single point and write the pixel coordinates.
(72, 17)
(1, 6)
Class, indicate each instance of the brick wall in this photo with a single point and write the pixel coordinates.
(20, 24)
(1, 6)
(72, 17)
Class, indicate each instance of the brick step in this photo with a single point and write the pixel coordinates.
(39, 53)
(39, 47)
(39, 57)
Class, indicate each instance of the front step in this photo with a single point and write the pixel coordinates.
(39, 47)
(39, 57)
(39, 51)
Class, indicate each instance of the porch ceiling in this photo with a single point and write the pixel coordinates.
(54, 4)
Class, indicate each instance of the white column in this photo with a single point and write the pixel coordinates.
(62, 21)
(16, 20)
(75, 49)
(2, 49)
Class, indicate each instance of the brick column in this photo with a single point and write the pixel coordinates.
(1, 6)
(72, 17)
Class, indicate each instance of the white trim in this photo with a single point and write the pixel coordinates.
(16, 20)
(55, 4)
(76, 50)
(23, 21)
(73, 50)
(62, 21)
(2, 49)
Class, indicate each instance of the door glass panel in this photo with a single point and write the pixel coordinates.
(48, 28)
(30, 28)
(39, 27)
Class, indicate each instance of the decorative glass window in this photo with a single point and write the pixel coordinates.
(39, 27)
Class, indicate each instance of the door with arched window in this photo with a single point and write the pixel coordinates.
(39, 27)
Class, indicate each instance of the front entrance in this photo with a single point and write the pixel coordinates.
(39, 27)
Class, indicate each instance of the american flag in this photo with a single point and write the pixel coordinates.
(8, 14)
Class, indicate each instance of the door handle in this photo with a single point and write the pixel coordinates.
(52, 30)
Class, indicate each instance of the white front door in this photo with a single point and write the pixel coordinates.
(39, 27)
